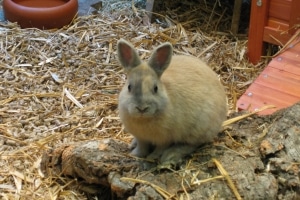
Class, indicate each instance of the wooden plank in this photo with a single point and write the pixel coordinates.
(236, 16)
(245, 103)
(270, 33)
(294, 16)
(280, 9)
(258, 20)
(294, 48)
(278, 24)
(292, 51)
(289, 59)
(280, 81)
(292, 54)
(282, 75)
(291, 68)
(265, 95)
(283, 15)
(278, 84)
(149, 8)
(261, 96)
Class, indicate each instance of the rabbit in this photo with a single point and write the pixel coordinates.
(172, 103)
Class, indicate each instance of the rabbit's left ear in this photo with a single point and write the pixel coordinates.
(161, 58)
(127, 55)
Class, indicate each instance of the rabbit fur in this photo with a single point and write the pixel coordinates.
(174, 103)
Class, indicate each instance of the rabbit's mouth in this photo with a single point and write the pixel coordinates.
(142, 112)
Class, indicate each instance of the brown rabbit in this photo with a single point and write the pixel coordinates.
(174, 103)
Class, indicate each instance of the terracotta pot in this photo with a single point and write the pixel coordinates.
(42, 14)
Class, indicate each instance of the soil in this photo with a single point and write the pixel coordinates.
(261, 155)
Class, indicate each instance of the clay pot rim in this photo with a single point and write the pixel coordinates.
(40, 17)
(43, 9)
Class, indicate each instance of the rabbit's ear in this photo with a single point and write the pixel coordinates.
(127, 55)
(161, 58)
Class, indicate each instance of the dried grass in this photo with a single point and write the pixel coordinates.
(61, 86)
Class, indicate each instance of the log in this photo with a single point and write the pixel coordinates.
(262, 163)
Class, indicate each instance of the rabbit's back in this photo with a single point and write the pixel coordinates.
(197, 99)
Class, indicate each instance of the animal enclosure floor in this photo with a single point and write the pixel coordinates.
(278, 84)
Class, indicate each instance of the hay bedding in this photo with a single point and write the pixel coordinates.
(58, 87)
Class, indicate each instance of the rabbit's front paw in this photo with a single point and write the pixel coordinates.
(133, 143)
(154, 156)
(174, 155)
(170, 159)
(140, 148)
(139, 152)
(158, 151)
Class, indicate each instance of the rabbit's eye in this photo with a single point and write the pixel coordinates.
(155, 88)
(129, 88)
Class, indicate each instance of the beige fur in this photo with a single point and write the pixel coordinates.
(188, 108)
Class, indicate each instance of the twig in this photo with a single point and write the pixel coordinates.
(230, 121)
(227, 177)
(160, 190)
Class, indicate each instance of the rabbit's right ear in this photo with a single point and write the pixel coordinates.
(127, 55)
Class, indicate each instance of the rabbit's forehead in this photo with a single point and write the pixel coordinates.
(142, 80)
(142, 74)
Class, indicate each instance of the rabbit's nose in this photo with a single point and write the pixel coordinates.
(142, 109)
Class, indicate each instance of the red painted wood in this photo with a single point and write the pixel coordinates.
(278, 84)
(258, 20)
(274, 22)
(277, 24)
(294, 16)
(273, 35)
(262, 96)
(292, 68)
(281, 81)
(280, 9)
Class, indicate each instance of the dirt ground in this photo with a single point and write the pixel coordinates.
(260, 155)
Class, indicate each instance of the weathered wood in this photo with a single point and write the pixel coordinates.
(149, 8)
(262, 166)
(236, 16)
